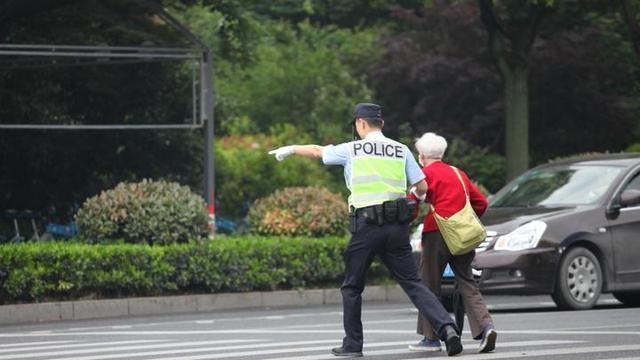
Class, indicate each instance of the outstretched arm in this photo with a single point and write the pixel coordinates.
(311, 151)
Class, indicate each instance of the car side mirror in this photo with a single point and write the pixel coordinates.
(630, 197)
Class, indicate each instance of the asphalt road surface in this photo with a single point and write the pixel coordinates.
(528, 327)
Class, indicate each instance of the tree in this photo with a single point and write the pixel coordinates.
(340, 13)
(583, 81)
(628, 11)
(44, 168)
(436, 75)
(513, 26)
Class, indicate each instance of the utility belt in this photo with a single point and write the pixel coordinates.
(398, 211)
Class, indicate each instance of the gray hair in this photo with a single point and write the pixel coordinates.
(431, 145)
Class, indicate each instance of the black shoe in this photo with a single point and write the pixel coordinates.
(452, 341)
(340, 351)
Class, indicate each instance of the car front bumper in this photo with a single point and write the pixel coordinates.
(524, 272)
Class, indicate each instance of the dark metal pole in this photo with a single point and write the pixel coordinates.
(207, 103)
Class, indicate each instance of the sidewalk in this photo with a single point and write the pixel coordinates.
(94, 309)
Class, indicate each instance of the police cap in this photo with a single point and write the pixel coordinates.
(367, 110)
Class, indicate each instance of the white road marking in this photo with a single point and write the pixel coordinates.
(119, 348)
(2, 346)
(312, 331)
(205, 321)
(76, 345)
(316, 348)
(404, 350)
(600, 327)
(268, 352)
(289, 315)
(206, 349)
(548, 352)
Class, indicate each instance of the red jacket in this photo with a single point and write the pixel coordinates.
(446, 193)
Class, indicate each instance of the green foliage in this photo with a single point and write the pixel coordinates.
(245, 171)
(299, 77)
(153, 212)
(483, 167)
(635, 147)
(226, 27)
(306, 211)
(46, 271)
(344, 13)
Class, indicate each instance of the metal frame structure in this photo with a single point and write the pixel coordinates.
(37, 55)
(124, 54)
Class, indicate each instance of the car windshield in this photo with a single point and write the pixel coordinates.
(558, 186)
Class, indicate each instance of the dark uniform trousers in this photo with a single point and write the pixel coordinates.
(435, 256)
(391, 243)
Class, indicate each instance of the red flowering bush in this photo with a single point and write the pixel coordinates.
(296, 211)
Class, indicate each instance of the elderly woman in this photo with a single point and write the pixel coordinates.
(447, 193)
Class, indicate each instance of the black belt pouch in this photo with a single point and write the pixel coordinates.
(353, 222)
(391, 211)
(370, 215)
(405, 210)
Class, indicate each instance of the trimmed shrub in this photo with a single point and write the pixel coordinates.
(634, 148)
(153, 212)
(245, 171)
(295, 211)
(72, 270)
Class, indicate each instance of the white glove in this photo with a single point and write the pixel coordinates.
(282, 152)
(415, 193)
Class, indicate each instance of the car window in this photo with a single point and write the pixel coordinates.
(563, 185)
(634, 184)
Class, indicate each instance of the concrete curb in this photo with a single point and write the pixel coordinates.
(110, 308)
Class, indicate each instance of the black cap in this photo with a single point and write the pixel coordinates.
(367, 110)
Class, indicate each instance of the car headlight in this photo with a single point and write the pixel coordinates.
(525, 237)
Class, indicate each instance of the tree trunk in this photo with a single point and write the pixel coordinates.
(516, 100)
(511, 49)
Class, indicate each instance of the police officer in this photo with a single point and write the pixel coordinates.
(377, 171)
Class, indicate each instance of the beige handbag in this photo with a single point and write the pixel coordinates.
(462, 231)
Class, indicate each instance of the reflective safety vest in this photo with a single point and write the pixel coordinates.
(377, 172)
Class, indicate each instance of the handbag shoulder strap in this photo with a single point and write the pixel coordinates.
(455, 169)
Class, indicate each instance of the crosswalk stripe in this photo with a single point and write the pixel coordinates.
(404, 350)
(549, 352)
(119, 348)
(290, 347)
(201, 349)
(77, 345)
(295, 332)
(325, 348)
(273, 352)
(188, 332)
(2, 346)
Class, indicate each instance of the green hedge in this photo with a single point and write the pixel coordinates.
(64, 271)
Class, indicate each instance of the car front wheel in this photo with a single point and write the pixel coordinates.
(628, 298)
(579, 280)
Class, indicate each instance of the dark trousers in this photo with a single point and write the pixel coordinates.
(391, 243)
(435, 256)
